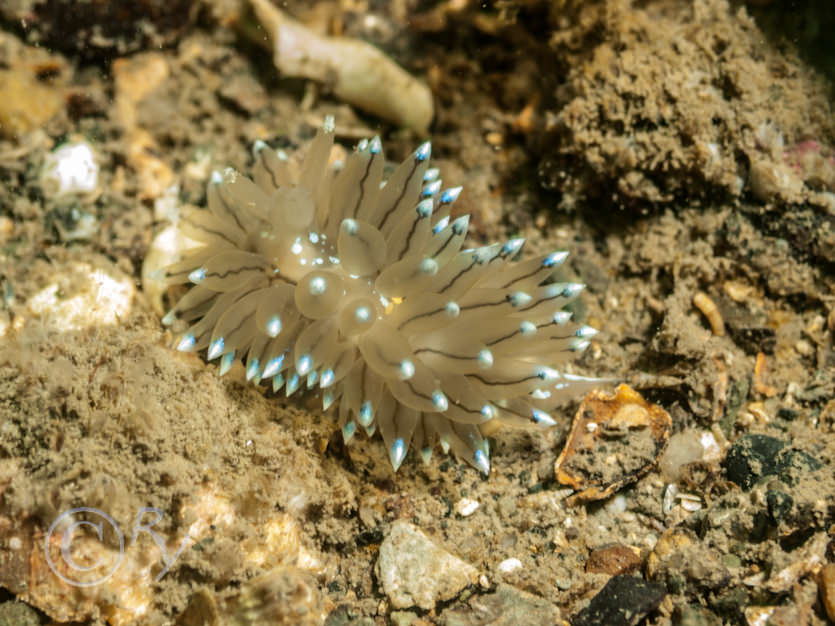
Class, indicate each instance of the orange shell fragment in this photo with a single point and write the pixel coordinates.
(615, 440)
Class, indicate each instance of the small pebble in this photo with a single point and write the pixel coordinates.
(509, 565)
(674, 541)
(414, 571)
(466, 507)
(494, 138)
(737, 291)
(804, 348)
(684, 447)
(617, 504)
(613, 559)
(72, 168)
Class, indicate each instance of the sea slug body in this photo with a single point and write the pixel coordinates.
(337, 280)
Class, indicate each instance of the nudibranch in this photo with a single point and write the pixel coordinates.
(334, 279)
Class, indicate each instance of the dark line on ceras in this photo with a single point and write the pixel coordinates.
(418, 316)
(410, 235)
(498, 255)
(516, 280)
(362, 185)
(222, 275)
(386, 215)
(212, 232)
(538, 302)
(420, 395)
(230, 211)
(485, 304)
(508, 336)
(516, 332)
(446, 354)
(562, 337)
(464, 408)
(210, 329)
(459, 274)
(267, 167)
(502, 383)
(446, 243)
(280, 276)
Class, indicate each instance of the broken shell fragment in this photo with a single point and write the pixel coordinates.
(354, 70)
(615, 440)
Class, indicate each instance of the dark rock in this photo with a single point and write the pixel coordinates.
(792, 463)
(787, 414)
(779, 503)
(624, 601)
(751, 458)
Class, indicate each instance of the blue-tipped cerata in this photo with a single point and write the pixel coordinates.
(356, 280)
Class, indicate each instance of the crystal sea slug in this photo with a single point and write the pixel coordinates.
(336, 280)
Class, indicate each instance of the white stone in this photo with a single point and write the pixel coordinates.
(712, 450)
(414, 571)
(509, 565)
(73, 168)
(466, 507)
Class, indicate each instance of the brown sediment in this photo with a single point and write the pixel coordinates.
(95, 410)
